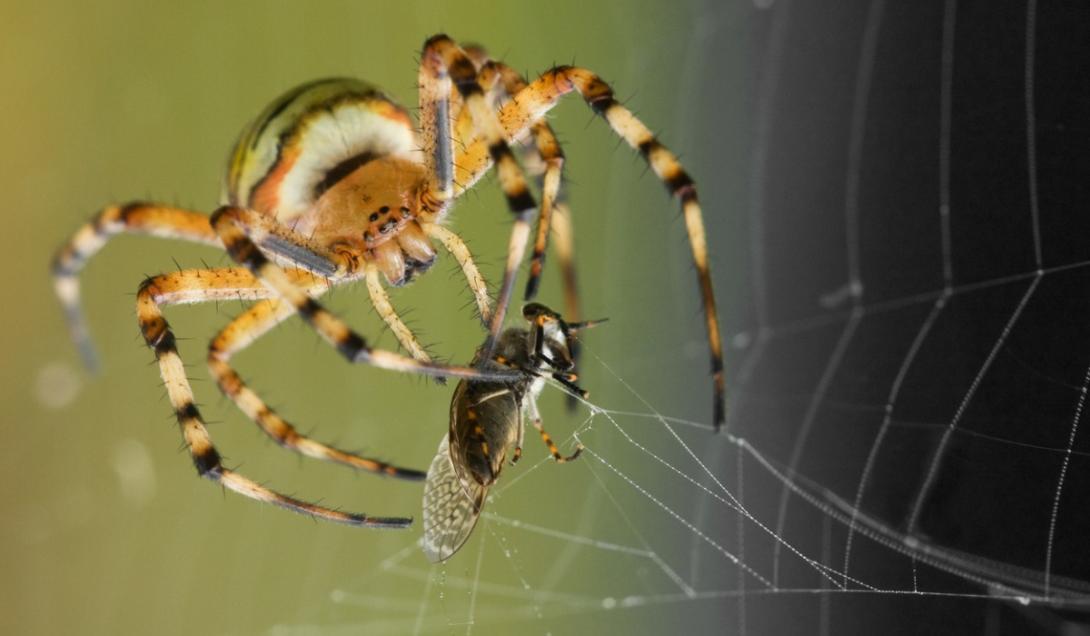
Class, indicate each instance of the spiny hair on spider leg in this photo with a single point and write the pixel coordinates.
(453, 269)
(471, 305)
(184, 448)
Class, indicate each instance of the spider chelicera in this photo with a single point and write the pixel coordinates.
(332, 183)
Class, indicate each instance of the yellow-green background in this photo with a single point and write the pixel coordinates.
(112, 101)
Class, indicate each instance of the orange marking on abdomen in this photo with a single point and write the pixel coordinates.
(266, 197)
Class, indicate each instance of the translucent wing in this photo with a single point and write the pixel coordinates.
(451, 506)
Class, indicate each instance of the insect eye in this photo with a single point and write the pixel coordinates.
(533, 310)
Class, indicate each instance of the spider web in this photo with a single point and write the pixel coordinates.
(907, 394)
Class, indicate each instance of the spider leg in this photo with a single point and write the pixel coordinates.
(239, 229)
(130, 218)
(435, 96)
(552, 159)
(291, 247)
(554, 212)
(463, 133)
(457, 248)
(240, 333)
(532, 103)
(444, 60)
(553, 450)
(562, 245)
(549, 151)
(198, 286)
(381, 301)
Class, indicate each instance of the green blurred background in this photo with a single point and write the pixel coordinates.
(106, 528)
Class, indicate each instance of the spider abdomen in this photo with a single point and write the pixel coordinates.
(310, 138)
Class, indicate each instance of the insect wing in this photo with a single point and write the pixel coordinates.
(451, 507)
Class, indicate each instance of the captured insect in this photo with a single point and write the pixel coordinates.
(487, 418)
(334, 183)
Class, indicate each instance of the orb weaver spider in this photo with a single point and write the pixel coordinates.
(333, 184)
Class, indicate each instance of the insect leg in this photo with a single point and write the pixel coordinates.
(553, 450)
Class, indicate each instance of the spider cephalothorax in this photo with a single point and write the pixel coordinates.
(373, 216)
(332, 183)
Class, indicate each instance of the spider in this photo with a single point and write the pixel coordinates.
(332, 184)
(486, 418)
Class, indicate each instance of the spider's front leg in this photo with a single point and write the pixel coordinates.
(237, 335)
(534, 101)
(445, 66)
(242, 231)
(201, 286)
(549, 153)
(499, 82)
(555, 215)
